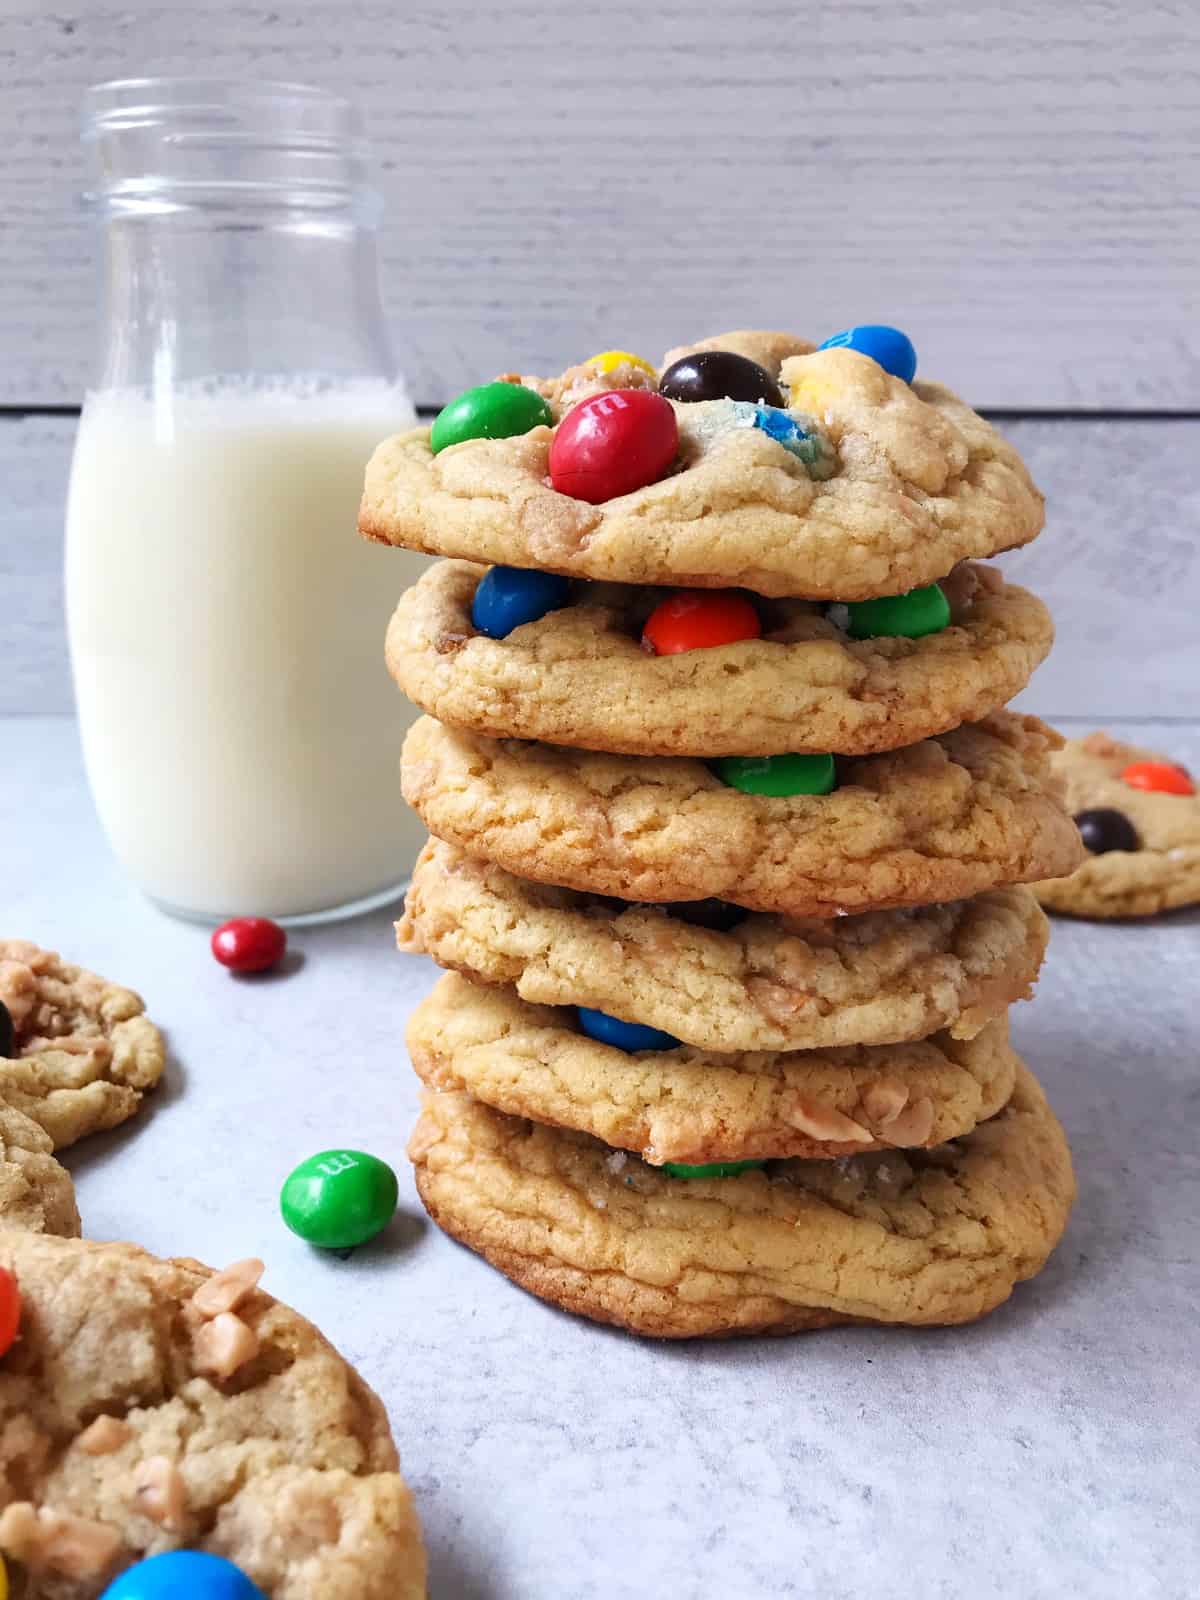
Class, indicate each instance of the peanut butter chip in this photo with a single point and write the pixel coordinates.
(226, 1290)
(884, 1101)
(102, 1437)
(53, 1541)
(914, 1125)
(160, 1492)
(224, 1345)
(826, 1123)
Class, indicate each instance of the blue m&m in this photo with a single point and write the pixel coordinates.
(183, 1575)
(628, 1036)
(892, 349)
(508, 597)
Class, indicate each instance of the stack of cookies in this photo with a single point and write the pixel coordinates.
(728, 832)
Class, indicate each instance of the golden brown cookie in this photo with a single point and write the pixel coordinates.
(85, 1052)
(921, 1237)
(151, 1405)
(766, 983)
(580, 676)
(916, 483)
(940, 820)
(696, 1106)
(1144, 844)
(36, 1192)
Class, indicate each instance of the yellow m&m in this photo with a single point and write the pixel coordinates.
(608, 359)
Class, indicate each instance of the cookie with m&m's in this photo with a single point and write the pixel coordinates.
(1138, 814)
(860, 485)
(920, 1237)
(707, 672)
(935, 821)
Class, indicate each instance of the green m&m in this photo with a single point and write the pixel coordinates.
(710, 1169)
(339, 1198)
(492, 411)
(778, 775)
(904, 616)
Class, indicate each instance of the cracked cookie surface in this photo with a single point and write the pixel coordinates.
(579, 675)
(1163, 873)
(936, 821)
(123, 1433)
(85, 1052)
(768, 983)
(920, 483)
(697, 1106)
(920, 1237)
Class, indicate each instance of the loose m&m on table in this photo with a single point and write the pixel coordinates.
(612, 444)
(490, 411)
(249, 944)
(700, 619)
(338, 1199)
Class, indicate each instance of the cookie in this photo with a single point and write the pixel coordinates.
(939, 820)
(579, 675)
(765, 983)
(1145, 858)
(920, 1237)
(916, 483)
(36, 1192)
(85, 1052)
(151, 1405)
(695, 1106)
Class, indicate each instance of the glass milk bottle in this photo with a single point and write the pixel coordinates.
(240, 730)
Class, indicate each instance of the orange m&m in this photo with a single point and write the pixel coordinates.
(697, 619)
(10, 1310)
(1160, 777)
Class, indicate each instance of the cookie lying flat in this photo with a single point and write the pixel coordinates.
(1144, 841)
(85, 1051)
(36, 1192)
(937, 1236)
(579, 675)
(765, 983)
(694, 1106)
(940, 820)
(910, 482)
(150, 1405)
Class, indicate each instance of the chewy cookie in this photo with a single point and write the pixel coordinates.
(579, 675)
(153, 1405)
(894, 483)
(754, 982)
(150, 1405)
(83, 1052)
(1139, 816)
(923, 1237)
(939, 820)
(692, 1106)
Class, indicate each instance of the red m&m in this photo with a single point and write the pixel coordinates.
(10, 1310)
(696, 619)
(1160, 777)
(612, 444)
(249, 944)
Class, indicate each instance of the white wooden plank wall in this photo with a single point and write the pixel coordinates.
(1016, 184)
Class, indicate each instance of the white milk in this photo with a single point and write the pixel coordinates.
(241, 732)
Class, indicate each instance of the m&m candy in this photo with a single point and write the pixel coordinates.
(10, 1310)
(609, 360)
(710, 1169)
(339, 1198)
(8, 1033)
(249, 944)
(508, 597)
(778, 776)
(699, 619)
(904, 616)
(718, 375)
(628, 1036)
(491, 411)
(612, 444)
(1158, 777)
(183, 1575)
(892, 349)
(1104, 829)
